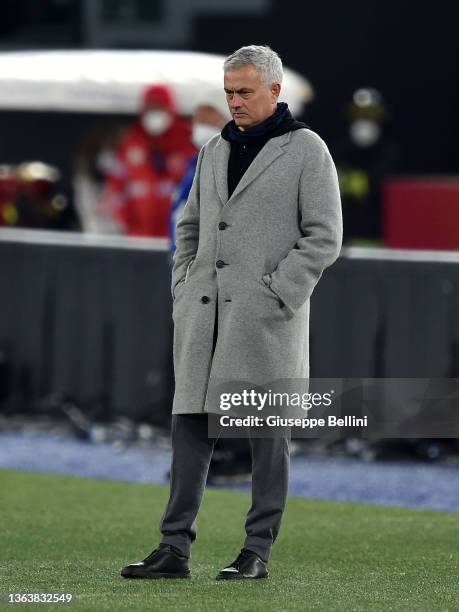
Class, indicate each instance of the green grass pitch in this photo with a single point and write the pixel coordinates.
(72, 535)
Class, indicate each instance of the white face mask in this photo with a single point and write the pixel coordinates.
(202, 133)
(156, 122)
(364, 132)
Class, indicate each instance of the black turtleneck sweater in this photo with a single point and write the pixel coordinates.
(245, 145)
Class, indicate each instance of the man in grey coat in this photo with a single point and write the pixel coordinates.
(262, 222)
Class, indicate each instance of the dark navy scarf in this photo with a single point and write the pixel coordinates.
(265, 129)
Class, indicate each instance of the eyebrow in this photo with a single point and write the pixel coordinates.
(244, 89)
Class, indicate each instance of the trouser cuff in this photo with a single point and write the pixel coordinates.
(259, 546)
(180, 541)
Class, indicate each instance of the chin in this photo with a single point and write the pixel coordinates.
(244, 122)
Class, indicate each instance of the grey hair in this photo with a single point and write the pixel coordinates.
(266, 61)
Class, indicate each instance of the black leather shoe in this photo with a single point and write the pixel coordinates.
(164, 562)
(248, 565)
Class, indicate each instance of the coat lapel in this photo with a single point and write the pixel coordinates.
(221, 156)
(271, 151)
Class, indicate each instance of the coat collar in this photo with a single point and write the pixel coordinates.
(271, 151)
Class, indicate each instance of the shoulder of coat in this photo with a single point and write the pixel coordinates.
(212, 143)
(309, 142)
(307, 135)
(207, 150)
(210, 146)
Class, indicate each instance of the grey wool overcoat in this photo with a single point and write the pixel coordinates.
(257, 256)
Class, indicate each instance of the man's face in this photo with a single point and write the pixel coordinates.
(250, 101)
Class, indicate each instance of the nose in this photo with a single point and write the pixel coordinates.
(236, 101)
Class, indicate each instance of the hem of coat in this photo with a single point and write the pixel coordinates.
(187, 410)
(216, 411)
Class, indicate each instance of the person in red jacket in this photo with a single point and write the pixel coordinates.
(151, 160)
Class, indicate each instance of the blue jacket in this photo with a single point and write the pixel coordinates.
(179, 201)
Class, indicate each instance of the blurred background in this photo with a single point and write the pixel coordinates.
(104, 105)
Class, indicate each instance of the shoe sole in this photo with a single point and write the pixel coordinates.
(155, 576)
(239, 577)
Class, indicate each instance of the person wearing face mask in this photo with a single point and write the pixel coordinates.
(365, 156)
(151, 159)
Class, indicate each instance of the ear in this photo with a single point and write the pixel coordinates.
(275, 90)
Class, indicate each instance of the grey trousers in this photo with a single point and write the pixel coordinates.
(191, 454)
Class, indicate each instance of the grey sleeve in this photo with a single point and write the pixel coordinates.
(321, 224)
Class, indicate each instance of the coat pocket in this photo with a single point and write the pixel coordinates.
(266, 282)
(188, 269)
(177, 288)
(183, 280)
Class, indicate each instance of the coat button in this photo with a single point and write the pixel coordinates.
(220, 263)
(205, 299)
(222, 225)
